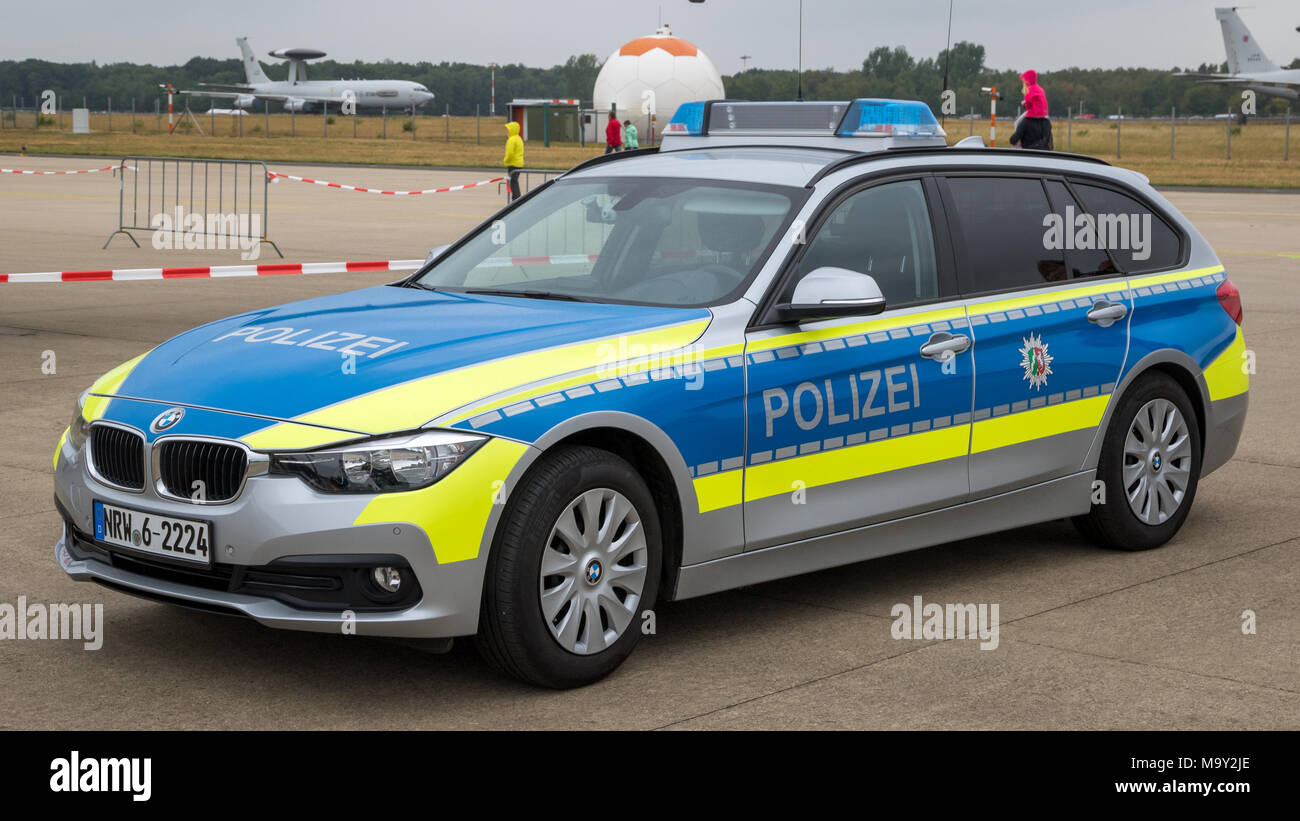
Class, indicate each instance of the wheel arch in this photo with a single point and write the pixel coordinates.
(1182, 369)
(652, 452)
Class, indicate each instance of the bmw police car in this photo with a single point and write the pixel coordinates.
(795, 336)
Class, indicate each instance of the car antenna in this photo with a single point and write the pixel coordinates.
(947, 60)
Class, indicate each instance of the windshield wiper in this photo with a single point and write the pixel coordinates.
(527, 294)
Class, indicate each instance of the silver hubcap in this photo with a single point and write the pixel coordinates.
(593, 571)
(1157, 461)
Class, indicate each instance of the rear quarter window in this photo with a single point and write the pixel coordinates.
(1139, 239)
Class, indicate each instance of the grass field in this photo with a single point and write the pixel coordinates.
(434, 141)
(1200, 149)
(1200, 146)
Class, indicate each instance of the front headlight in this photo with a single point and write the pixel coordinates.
(79, 428)
(396, 463)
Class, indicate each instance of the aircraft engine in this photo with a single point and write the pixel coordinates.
(296, 104)
(245, 101)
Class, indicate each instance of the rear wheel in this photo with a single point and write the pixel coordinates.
(575, 566)
(1150, 463)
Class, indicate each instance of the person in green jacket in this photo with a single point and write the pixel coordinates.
(629, 136)
(514, 158)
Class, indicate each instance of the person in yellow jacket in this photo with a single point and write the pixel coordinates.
(514, 158)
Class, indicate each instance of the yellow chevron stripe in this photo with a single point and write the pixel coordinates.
(105, 386)
(873, 458)
(975, 309)
(855, 328)
(867, 459)
(1044, 298)
(1039, 423)
(410, 404)
(1226, 375)
(453, 512)
(291, 436)
(1172, 276)
(59, 448)
(719, 490)
(593, 375)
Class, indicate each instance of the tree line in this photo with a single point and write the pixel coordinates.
(893, 72)
(461, 87)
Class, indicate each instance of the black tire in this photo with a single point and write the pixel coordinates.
(1113, 524)
(513, 633)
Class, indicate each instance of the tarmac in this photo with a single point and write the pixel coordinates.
(1089, 639)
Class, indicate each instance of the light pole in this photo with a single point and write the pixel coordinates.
(800, 95)
(492, 109)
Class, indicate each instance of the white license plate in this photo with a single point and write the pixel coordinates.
(180, 539)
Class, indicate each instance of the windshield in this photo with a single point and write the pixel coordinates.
(666, 242)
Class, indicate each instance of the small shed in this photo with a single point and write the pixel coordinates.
(547, 120)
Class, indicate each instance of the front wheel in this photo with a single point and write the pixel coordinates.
(574, 568)
(1149, 466)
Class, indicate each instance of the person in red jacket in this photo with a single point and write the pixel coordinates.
(613, 135)
(1033, 128)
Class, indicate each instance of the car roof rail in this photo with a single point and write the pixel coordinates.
(611, 156)
(641, 152)
(948, 151)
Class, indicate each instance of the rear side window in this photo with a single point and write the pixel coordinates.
(1138, 239)
(1084, 259)
(1002, 221)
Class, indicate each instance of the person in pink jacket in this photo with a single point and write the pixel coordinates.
(1033, 128)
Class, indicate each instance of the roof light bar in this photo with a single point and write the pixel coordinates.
(688, 120)
(854, 118)
(889, 118)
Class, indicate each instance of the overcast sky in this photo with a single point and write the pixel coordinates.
(1042, 34)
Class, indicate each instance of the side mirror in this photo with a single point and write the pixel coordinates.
(830, 292)
(435, 253)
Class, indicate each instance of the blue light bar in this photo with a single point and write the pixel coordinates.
(889, 118)
(688, 120)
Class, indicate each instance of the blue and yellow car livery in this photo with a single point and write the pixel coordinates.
(371, 456)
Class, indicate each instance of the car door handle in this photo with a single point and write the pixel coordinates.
(1106, 313)
(944, 346)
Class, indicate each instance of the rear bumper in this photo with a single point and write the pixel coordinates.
(1223, 425)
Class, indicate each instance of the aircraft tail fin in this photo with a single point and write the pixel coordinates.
(1244, 54)
(252, 68)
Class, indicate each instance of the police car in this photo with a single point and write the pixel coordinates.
(795, 336)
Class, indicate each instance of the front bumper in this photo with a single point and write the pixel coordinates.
(275, 519)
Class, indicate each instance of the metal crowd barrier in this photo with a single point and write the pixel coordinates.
(526, 182)
(219, 191)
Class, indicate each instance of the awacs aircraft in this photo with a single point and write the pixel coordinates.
(297, 93)
(1248, 68)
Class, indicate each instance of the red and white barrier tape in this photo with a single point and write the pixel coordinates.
(290, 268)
(215, 272)
(274, 174)
(77, 171)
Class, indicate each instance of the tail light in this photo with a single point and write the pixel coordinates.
(1230, 299)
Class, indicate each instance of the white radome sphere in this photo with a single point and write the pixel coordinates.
(675, 70)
